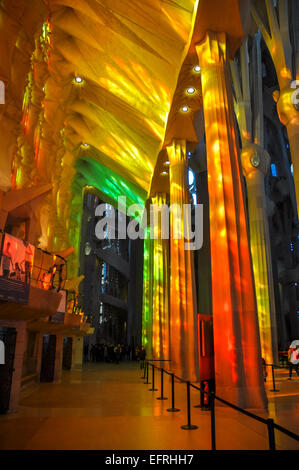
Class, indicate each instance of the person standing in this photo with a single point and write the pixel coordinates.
(293, 358)
(117, 352)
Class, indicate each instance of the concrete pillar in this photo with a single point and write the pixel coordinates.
(256, 163)
(147, 304)
(160, 285)
(183, 308)
(238, 372)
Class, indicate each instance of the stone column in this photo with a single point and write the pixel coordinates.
(183, 308)
(256, 163)
(238, 372)
(161, 339)
(147, 302)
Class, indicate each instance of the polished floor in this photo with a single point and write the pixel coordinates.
(108, 406)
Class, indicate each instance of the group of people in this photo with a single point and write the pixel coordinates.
(113, 353)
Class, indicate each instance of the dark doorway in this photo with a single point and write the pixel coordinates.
(8, 337)
(67, 353)
(48, 358)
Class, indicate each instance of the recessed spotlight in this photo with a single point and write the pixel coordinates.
(185, 109)
(197, 68)
(85, 145)
(167, 162)
(164, 173)
(78, 80)
(191, 90)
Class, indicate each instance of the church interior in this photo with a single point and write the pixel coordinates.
(111, 110)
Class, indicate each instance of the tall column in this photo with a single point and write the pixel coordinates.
(147, 301)
(160, 289)
(256, 162)
(238, 371)
(155, 321)
(183, 314)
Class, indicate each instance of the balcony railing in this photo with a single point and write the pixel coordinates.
(21, 262)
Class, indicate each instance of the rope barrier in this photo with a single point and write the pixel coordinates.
(271, 425)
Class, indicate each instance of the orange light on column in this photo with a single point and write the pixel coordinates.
(160, 290)
(183, 314)
(238, 372)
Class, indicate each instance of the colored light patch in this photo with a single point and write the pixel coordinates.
(108, 182)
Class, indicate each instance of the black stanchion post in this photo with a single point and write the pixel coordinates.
(271, 434)
(273, 380)
(144, 371)
(147, 382)
(213, 421)
(153, 389)
(162, 387)
(173, 409)
(188, 426)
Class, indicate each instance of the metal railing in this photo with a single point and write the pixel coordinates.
(271, 425)
(43, 270)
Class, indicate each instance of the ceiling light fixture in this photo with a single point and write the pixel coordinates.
(78, 80)
(190, 90)
(185, 109)
(197, 68)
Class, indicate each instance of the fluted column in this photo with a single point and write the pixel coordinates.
(183, 314)
(256, 163)
(160, 290)
(147, 301)
(155, 319)
(238, 371)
